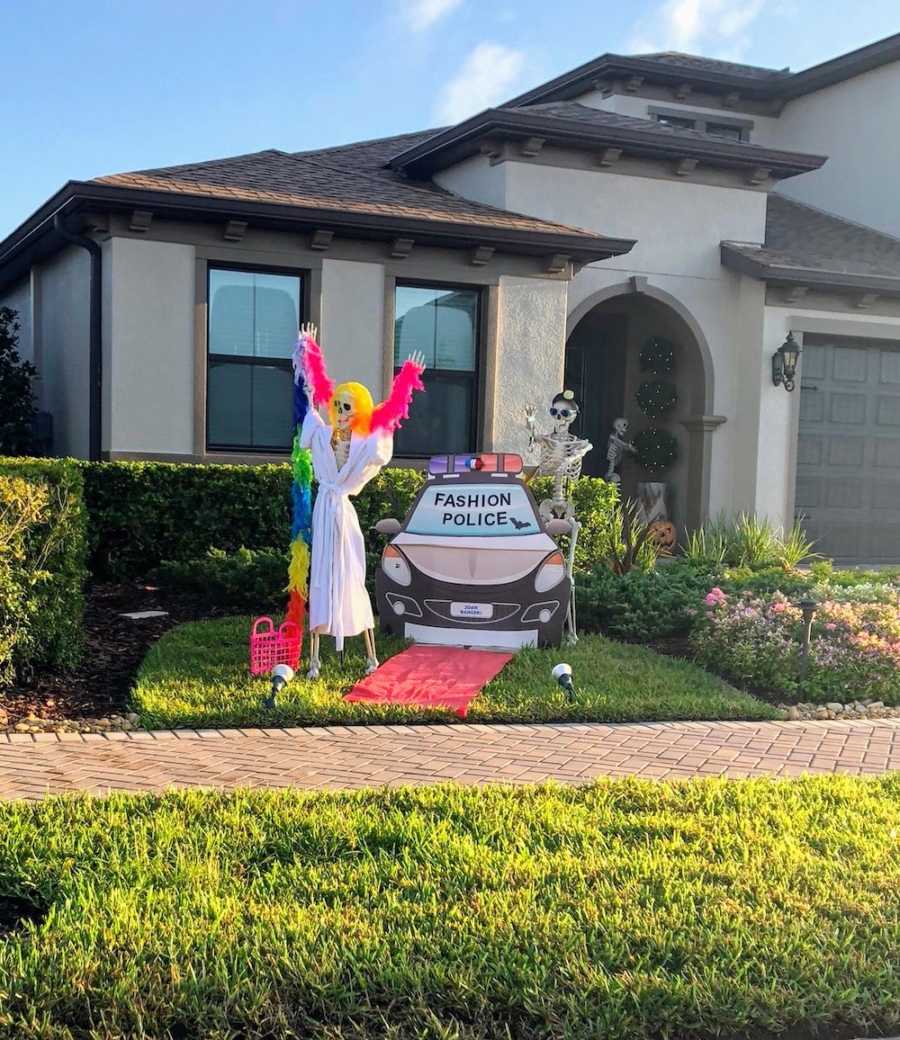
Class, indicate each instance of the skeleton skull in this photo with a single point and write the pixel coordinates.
(620, 426)
(563, 411)
(344, 410)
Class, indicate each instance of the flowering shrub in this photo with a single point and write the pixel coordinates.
(854, 650)
(865, 592)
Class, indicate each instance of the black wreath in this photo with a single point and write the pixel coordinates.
(656, 449)
(657, 355)
(656, 398)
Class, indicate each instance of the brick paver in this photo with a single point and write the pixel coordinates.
(364, 756)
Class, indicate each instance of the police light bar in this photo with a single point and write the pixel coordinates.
(483, 462)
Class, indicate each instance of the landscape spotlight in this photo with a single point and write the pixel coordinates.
(281, 676)
(562, 673)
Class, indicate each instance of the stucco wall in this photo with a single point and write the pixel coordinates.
(476, 178)
(18, 298)
(531, 343)
(149, 360)
(679, 227)
(853, 123)
(62, 328)
(678, 224)
(353, 321)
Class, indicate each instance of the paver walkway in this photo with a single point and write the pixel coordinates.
(363, 756)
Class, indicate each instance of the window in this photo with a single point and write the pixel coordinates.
(677, 121)
(726, 130)
(443, 323)
(723, 128)
(253, 317)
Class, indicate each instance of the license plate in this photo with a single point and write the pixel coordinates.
(482, 611)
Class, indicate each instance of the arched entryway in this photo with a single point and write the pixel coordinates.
(605, 335)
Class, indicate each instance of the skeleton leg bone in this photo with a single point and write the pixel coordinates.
(314, 663)
(572, 629)
(371, 657)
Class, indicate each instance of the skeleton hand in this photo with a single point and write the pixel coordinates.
(530, 416)
(417, 358)
(309, 329)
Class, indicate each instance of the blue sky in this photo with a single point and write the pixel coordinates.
(109, 86)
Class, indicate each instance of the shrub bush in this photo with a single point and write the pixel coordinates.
(641, 605)
(755, 641)
(43, 553)
(141, 513)
(247, 580)
(763, 581)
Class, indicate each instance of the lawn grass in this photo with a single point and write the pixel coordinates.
(197, 675)
(626, 910)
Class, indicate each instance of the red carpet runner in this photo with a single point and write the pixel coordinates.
(431, 677)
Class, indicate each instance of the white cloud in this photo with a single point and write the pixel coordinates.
(714, 28)
(422, 14)
(487, 76)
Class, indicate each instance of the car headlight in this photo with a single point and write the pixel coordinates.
(550, 573)
(395, 566)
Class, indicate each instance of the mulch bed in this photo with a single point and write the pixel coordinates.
(114, 649)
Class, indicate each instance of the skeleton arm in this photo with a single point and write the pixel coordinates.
(319, 387)
(389, 415)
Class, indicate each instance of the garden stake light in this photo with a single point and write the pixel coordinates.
(808, 606)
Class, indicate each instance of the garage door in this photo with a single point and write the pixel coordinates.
(848, 459)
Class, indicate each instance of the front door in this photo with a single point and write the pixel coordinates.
(595, 370)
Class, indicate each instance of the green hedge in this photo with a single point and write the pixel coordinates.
(43, 556)
(142, 513)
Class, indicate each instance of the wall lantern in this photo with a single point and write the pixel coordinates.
(784, 363)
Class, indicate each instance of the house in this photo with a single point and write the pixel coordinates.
(716, 207)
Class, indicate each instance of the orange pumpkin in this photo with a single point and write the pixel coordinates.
(663, 533)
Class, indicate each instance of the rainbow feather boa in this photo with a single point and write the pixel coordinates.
(301, 495)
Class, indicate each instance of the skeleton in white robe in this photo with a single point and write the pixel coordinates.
(343, 462)
(339, 605)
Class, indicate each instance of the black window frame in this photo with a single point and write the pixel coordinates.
(476, 421)
(248, 359)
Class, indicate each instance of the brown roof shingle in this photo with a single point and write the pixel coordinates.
(350, 178)
(801, 239)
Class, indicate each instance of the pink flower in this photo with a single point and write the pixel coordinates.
(778, 608)
(831, 626)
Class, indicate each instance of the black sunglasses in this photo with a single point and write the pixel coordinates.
(563, 413)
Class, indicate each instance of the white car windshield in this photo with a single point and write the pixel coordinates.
(473, 510)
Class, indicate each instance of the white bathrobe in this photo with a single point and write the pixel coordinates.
(338, 602)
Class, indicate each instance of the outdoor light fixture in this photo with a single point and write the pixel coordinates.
(784, 363)
(282, 674)
(562, 673)
(808, 607)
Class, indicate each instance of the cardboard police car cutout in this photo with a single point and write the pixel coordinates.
(472, 563)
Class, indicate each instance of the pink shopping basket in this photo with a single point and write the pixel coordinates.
(270, 646)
